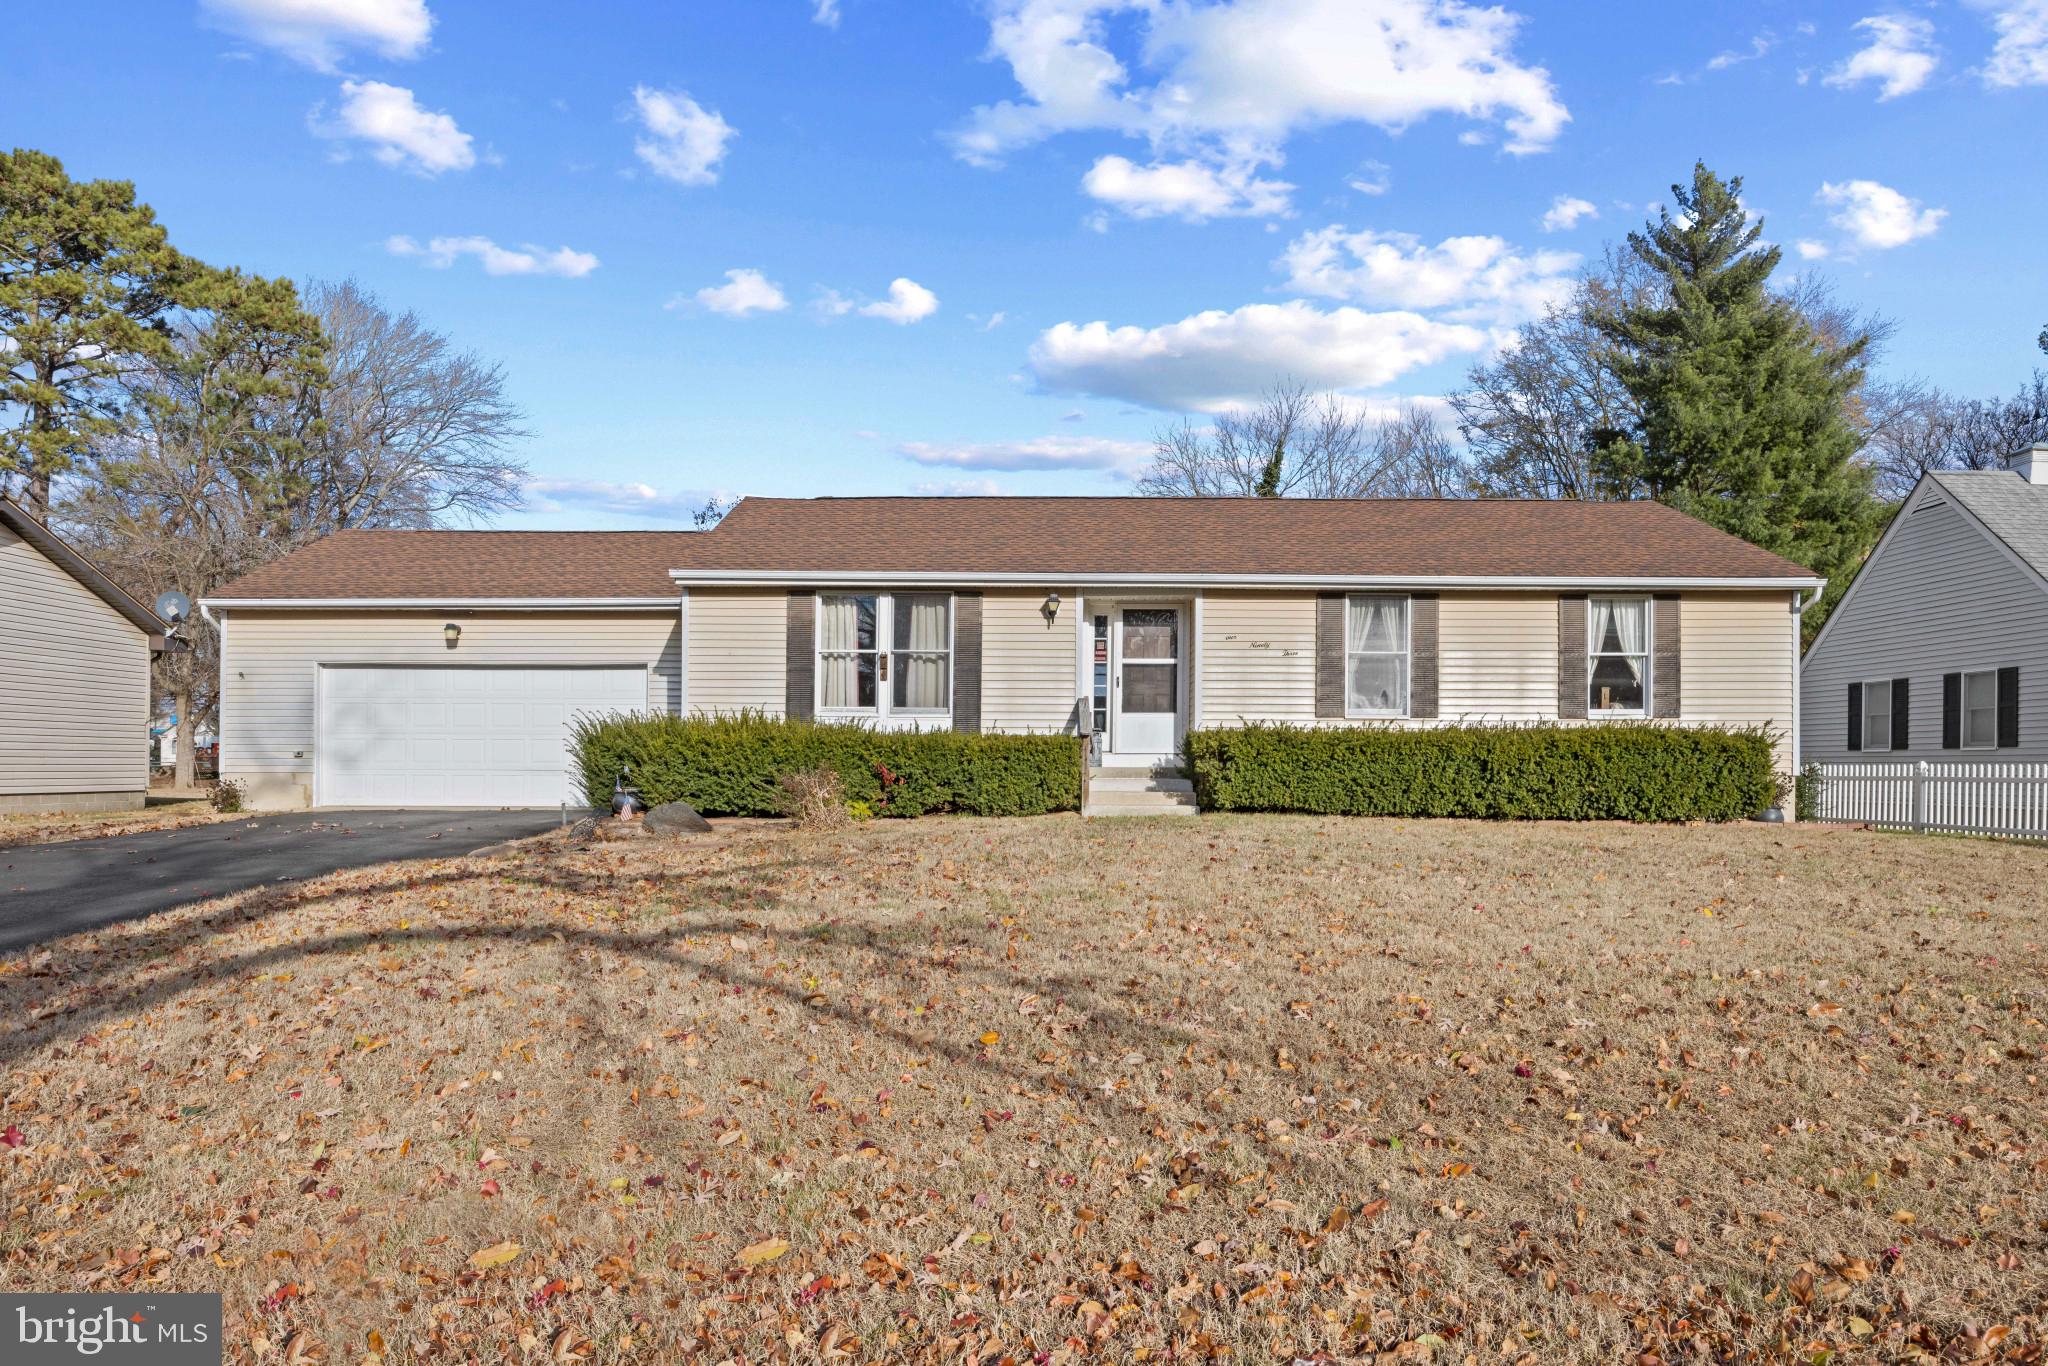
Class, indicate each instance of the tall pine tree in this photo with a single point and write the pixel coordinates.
(1741, 405)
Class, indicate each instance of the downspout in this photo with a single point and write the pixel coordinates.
(1800, 602)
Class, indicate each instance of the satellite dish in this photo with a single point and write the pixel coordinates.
(173, 606)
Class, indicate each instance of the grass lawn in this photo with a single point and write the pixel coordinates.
(1256, 1088)
(160, 814)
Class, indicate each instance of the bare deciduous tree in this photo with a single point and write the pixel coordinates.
(1417, 457)
(1291, 443)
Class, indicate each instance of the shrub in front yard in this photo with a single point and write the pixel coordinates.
(734, 765)
(1610, 772)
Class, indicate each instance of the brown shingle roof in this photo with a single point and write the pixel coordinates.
(1051, 537)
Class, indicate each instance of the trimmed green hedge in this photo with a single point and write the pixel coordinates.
(1600, 772)
(729, 765)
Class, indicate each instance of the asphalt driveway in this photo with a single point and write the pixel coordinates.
(48, 890)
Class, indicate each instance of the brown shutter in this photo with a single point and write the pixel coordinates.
(967, 662)
(801, 689)
(2009, 707)
(1422, 655)
(1330, 655)
(1571, 656)
(1665, 694)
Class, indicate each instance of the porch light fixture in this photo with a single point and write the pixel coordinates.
(452, 634)
(1050, 607)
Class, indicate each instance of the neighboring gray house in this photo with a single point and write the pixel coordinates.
(1939, 650)
(74, 677)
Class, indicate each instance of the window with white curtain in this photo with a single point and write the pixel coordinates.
(885, 654)
(1375, 655)
(1618, 656)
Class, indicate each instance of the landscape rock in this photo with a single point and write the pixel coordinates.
(675, 818)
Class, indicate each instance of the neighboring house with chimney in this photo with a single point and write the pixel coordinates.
(1939, 650)
(74, 677)
(442, 668)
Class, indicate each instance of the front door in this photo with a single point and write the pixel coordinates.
(1146, 663)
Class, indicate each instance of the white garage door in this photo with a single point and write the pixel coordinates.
(486, 737)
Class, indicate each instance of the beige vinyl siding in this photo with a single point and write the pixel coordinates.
(1940, 597)
(1257, 657)
(74, 685)
(1027, 665)
(1735, 663)
(1497, 657)
(269, 661)
(739, 650)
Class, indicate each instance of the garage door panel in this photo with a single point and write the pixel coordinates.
(403, 736)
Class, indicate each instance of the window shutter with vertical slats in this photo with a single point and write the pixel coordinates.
(1902, 690)
(1951, 711)
(967, 663)
(2009, 708)
(1666, 692)
(1855, 716)
(1422, 656)
(1329, 656)
(1571, 656)
(801, 661)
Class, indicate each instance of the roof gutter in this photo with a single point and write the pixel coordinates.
(756, 577)
(446, 604)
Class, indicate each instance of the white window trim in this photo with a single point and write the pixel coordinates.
(1963, 721)
(1406, 654)
(1891, 741)
(884, 710)
(1595, 654)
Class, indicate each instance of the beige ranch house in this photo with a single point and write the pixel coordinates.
(441, 668)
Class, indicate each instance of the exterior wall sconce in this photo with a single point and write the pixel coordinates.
(1050, 608)
(452, 634)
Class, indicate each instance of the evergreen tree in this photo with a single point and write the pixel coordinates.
(1739, 404)
(86, 277)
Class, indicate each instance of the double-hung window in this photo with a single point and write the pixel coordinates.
(1980, 710)
(1877, 715)
(885, 654)
(1375, 655)
(1618, 657)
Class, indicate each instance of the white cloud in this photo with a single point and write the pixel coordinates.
(1371, 177)
(1876, 215)
(744, 292)
(1189, 189)
(443, 252)
(1037, 453)
(1900, 56)
(2020, 56)
(1214, 360)
(1810, 250)
(631, 500)
(318, 32)
(684, 141)
(825, 12)
(1758, 46)
(1567, 212)
(908, 302)
(1474, 279)
(399, 132)
(959, 488)
(1221, 87)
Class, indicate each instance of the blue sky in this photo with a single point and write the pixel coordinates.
(884, 246)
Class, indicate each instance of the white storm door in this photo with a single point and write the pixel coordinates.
(1146, 683)
(458, 737)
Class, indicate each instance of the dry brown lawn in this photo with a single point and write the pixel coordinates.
(1258, 1088)
(160, 814)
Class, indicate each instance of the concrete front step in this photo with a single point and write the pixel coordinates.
(1160, 806)
(1140, 781)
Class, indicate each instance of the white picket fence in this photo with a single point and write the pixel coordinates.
(1950, 798)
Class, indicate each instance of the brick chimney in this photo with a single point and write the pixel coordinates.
(2030, 464)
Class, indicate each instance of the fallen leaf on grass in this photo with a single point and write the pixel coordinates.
(761, 1253)
(497, 1254)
